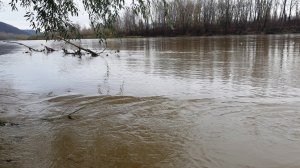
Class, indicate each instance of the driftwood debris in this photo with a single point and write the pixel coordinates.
(93, 54)
(48, 49)
(66, 51)
(78, 52)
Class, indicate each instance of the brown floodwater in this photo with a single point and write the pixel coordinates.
(203, 102)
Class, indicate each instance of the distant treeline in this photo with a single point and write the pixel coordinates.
(204, 17)
(10, 36)
(209, 17)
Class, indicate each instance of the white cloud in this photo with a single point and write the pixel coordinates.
(17, 19)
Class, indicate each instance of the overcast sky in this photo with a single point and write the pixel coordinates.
(16, 18)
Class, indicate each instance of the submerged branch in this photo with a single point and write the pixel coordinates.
(78, 52)
(94, 54)
(77, 110)
(48, 49)
(103, 50)
(30, 48)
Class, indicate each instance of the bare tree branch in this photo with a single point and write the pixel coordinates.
(30, 48)
(94, 54)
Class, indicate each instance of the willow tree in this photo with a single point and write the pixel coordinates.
(53, 17)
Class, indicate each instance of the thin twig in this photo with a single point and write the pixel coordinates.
(103, 49)
(70, 114)
(30, 48)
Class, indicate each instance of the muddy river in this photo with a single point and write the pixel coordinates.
(203, 102)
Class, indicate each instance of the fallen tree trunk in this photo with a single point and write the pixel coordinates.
(48, 49)
(94, 54)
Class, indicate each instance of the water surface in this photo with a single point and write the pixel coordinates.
(227, 101)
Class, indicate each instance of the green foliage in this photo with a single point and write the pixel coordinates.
(49, 16)
(53, 16)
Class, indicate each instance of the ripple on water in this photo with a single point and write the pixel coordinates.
(212, 104)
